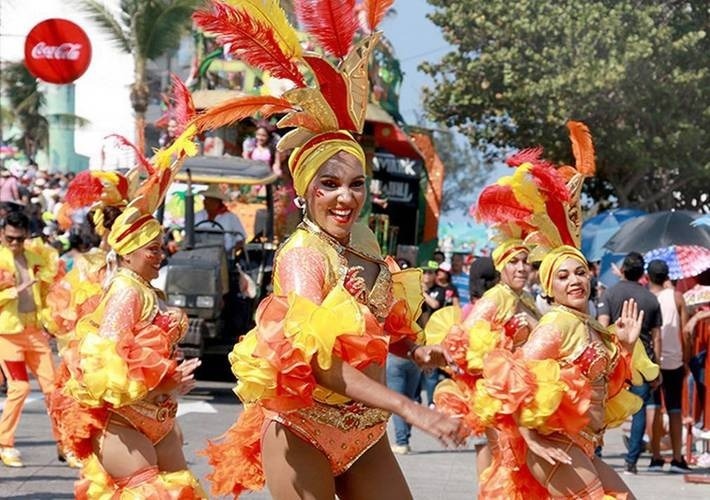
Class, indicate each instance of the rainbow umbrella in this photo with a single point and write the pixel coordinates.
(697, 295)
(683, 261)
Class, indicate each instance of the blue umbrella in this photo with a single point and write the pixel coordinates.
(597, 230)
(606, 271)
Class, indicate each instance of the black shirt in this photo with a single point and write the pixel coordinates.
(613, 300)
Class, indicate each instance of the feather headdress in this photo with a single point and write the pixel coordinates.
(540, 203)
(144, 187)
(257, 32)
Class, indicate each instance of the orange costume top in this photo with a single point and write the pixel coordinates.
(567, 382)
(314, 314)
(122, 351)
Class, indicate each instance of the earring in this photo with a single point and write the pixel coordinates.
(300, 202)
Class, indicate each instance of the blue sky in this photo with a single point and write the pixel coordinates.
(415, 39)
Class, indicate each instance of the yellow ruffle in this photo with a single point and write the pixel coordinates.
(481, 341)
(311, 329)
(96, 484)
(547, 397)
(407, 286)
(440, 323)
(485, 406)
(642, 368)
(104, 375)
(620, 407)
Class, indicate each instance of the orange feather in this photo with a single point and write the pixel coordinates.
(582, 148)
(242, 107)
(376, 10)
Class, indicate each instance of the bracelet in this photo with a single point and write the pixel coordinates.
(412, 350)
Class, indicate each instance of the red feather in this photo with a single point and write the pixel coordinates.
(558, 216)
(550, 182)
(183, 108)
(242, 107)
(331, 22)
(84, 190)
(529, 155)
(250, 40)
(497, 204)
(376, 10)
(142, 160)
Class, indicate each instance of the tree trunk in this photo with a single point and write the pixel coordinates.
(139, 100)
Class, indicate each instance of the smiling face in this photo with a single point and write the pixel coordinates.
(262, 136)
(516, 271)
(570, 285)
(145, 261)
(336, 195)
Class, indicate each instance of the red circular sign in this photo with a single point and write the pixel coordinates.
(57, 51)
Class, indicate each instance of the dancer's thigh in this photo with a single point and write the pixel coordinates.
(562, 479)
(294, 469)
(611, 481)
(124, 451)
(169, 450)
(375, 475)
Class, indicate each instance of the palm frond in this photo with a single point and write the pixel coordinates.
(161, 27)
(108, 22)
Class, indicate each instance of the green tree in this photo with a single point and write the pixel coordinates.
(637, 72)
(25, 102)
(146, 29)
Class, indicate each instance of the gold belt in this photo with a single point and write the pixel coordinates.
(347, 416)
(160, 412)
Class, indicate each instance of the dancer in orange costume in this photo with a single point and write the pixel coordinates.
(78, 293)
(310, 372)
(552, 399)
(122, 360)
(27, 269)
(504, 315)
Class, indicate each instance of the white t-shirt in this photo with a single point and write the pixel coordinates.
(671, 346)
(231, 225)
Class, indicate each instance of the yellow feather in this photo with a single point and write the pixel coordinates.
(271, 13)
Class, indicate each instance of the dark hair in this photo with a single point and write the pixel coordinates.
(482, 277)
(18, 220)
(658, 272)
(633, 266)
(439, 252)
(110, 216)
(404, 263)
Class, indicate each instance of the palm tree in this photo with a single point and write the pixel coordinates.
(26, 110)
(146, 29)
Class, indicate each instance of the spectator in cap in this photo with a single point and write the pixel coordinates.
(675, 356)
(216, 211)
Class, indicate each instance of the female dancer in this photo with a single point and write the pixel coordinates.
(123, 369)
(78, 293)
(311, 372)
(597, 366)
(122, 360)
(555, 395)
(502, 318)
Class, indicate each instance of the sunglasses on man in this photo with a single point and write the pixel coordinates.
(16, 239)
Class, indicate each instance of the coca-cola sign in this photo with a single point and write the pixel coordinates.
(57, 51)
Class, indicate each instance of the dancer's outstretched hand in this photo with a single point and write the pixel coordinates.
(186, 375)
(628, 326)
(428, 357)
(544, 448)
(448, 430)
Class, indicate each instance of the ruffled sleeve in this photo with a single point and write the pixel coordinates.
(407, 300)
(119, 357)
(69, 299)
(538, 394)
(273, 362)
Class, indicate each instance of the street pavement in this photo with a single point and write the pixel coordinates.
(432, 472)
